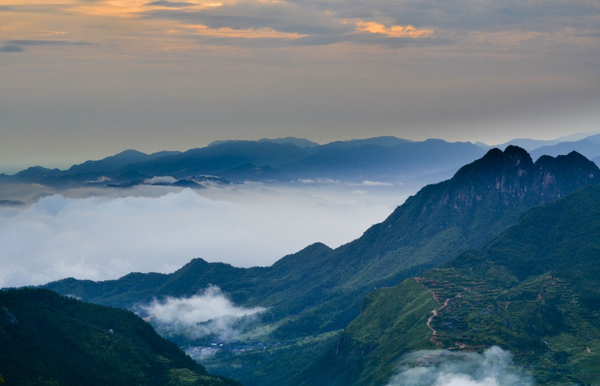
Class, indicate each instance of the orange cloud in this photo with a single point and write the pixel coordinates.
(244, 33)
(396, 31)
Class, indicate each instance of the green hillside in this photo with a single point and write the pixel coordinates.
(319, 290)
(534, 290)
(47, 339)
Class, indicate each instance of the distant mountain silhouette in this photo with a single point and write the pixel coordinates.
(116, 162)
(533, 144)
(300, 142)
(279, 160)
(589, 147)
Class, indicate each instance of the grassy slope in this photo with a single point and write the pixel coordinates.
(533, 290)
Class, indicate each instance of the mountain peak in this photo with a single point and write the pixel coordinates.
(129, 152)
(490, 193)
(496, 166)
(516, 152)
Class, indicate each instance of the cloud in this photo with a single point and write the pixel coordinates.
(493, 367)
(171, 4)
(206, 314)
(159, 229)
(48, 43)
(11, 48)
(280, 16)
(375, 183)
(396, 31)
(290, 23)
(16, 45)
(161, 180)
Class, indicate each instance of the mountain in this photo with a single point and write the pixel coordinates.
(300, 142)
(33, 174)
(528, 143)
(319, 290)
(533, 144)
(278, 160)
(281, 160)
(47, 339)
(386, 158)
(251, 172)
(577, 136)
(481, 200)
(378, 141)
(533, 290)
(116, 162)
(397, 160)
(214, 160)
(589, 147)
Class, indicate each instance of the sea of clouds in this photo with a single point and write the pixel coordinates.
(105, 234)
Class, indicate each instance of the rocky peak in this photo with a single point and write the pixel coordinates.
(558, 176)
(511, 177)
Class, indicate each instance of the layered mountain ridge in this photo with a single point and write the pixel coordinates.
(318, 289)
(277, 160)
(437, 223)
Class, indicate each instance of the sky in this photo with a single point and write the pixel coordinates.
(83, 79)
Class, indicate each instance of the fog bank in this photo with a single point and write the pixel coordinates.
(106, 234)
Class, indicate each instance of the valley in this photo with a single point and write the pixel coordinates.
(318, 291)
(473, 262)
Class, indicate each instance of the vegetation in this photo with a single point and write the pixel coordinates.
(533, 290)
(319, 290)
(47, 339)
(272, 365)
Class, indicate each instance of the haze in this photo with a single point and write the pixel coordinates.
(83, 79)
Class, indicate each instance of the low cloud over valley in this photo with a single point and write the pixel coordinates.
(209, 313)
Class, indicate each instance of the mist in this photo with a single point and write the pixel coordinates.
(209, 313)
(105, 234)
(493, 367)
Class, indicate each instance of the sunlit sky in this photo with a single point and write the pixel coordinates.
(83, 79)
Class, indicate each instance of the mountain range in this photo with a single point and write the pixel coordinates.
(533, 144)
(282, 160)
(319, 291)
(277, 160)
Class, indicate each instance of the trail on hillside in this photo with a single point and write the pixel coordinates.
(436, 313)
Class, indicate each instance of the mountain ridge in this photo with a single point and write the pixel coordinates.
(319, 290)
(429, 228)
(532, 290)
(381, 158)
